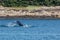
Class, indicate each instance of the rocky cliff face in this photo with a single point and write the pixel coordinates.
(43, 12)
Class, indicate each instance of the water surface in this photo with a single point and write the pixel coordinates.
(32, 30)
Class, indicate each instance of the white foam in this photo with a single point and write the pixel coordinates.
(27, 25)
(11, 24)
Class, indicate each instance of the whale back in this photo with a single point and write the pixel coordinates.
(19, 23)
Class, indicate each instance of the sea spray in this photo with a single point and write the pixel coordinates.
(26, 25)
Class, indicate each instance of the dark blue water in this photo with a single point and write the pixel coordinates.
(32, 30)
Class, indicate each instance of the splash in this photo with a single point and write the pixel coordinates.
(11, 24)
(26, 25)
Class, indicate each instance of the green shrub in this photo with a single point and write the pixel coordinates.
(25, 3)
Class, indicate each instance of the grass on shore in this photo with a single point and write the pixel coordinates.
(29, 7)
(33, 7)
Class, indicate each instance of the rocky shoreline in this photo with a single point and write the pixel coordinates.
(41, 13)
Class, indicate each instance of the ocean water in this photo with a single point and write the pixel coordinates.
(32, 30)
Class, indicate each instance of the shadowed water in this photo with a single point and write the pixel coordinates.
(32, 30)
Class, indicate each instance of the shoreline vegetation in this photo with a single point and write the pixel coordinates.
(35, 9)
(32, 12)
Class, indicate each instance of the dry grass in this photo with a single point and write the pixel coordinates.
(29, 7)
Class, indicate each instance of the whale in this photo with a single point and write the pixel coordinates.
(19, 23)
